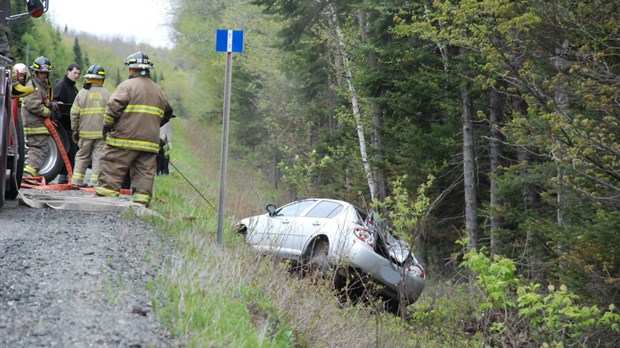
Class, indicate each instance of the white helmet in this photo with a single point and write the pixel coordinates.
(20, 68)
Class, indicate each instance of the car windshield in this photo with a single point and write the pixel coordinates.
(296, 208)
(325, 209)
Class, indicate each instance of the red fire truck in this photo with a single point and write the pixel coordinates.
(12, 140)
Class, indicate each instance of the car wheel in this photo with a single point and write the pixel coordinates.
(317, 267)
(350, 285)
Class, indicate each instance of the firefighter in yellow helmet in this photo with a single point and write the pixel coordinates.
(134, 113)
(36, 107)
(87, 114)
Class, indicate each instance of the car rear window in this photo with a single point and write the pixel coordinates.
(295, 209)
(325, 209)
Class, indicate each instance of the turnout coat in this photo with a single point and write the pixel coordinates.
(136, 124)
(88, 110)
(34, 107)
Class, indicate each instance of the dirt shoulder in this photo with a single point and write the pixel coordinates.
(78, 279)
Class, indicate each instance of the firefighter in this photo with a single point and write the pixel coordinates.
(18, 81)
(36, 107)
(86, 123)
(134, 113)
(20, 73)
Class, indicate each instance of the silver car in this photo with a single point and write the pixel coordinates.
(322, 234)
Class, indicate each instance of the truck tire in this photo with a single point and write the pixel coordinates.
(18, 160)
(4, 143)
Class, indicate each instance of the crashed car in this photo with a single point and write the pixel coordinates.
(328, 234)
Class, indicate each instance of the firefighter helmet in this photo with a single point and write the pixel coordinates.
(95, 72)
(138, 60)
(42, 64)
(20, 68)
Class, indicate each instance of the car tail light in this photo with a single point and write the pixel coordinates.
(421, 270)
(365, 236)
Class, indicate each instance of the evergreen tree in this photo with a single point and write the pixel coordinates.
(77, 54)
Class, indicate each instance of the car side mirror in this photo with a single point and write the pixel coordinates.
(271, 209)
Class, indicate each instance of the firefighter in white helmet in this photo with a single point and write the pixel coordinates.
(87, 115)
(135, 112)
(18, 81)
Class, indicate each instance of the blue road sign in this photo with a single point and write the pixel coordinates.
(229, 40)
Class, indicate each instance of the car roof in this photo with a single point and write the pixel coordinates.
(318, 199)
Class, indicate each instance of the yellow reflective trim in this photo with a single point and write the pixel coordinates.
(141, 198)
(78, 176)
(31, 170)
(133, 144)
(102, 191)
(95, 110)
(147, 109)
(35, 130)
(90, 134)
(108, 119)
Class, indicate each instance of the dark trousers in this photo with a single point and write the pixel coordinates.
(162, 165)
(71, 152)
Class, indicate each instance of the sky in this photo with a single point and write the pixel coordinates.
(139, 21)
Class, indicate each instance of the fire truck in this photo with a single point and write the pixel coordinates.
(12, 140)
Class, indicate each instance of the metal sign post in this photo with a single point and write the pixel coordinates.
(228, 41)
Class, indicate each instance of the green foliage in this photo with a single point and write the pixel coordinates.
(406, 217)
(299, 172)
(557, 317)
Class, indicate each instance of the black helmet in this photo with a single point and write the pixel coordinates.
(95, 72)
(138, 60)
(42, 64)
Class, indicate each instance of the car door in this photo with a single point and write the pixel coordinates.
(307, 226)
(283, 225)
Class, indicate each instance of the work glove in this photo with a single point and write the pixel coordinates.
(54, 110)
(75, 136)
(107, 128)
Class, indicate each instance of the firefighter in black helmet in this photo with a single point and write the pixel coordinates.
(36, 107)
(134, 113)
(87, 115)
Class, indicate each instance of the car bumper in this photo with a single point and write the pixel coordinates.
(363, 258)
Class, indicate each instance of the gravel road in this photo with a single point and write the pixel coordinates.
(78, 279)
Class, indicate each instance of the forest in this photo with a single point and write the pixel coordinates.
(487, 132)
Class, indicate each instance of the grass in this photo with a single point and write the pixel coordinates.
(225, 295)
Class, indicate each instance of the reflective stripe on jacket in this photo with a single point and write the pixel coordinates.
(136, 109)
(34, 112)
(88, 111)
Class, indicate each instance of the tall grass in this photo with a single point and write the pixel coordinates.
(226, 295)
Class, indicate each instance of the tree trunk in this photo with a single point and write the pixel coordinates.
(333, 22)
(376, 142)
(469, 166)
(495, 153)
(533, 246)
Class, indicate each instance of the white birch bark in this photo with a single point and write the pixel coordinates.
(355, 106)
